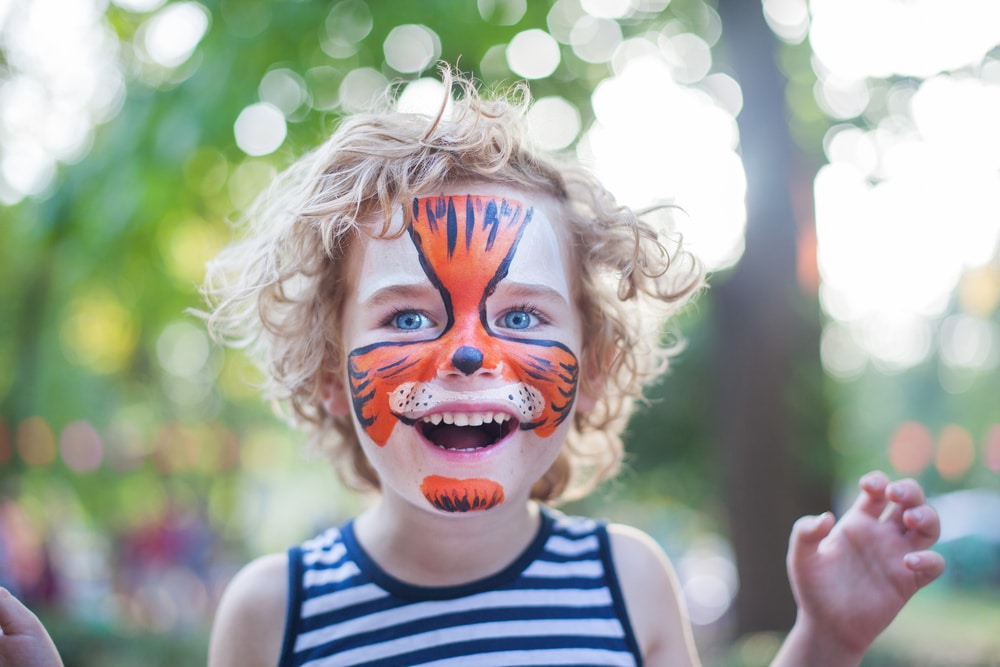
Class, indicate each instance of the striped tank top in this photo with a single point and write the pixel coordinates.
(559, 603)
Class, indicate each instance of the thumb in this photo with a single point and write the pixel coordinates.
(15, 618)
(807, 533)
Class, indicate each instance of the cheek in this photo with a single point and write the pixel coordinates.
(552, 371)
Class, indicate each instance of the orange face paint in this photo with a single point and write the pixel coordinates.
(465, 246)
(461, 495)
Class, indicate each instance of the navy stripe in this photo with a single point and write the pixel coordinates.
(562, 583)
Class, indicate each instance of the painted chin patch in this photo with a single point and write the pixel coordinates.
(461, 495)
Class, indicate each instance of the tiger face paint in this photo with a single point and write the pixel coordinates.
(461, 495)
(465, 336)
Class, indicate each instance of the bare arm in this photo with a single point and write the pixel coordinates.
(23, 639)
(652, 599)
(250, 622)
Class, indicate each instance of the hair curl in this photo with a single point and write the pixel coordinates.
(278, 291)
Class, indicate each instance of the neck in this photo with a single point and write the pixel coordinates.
(426, 548)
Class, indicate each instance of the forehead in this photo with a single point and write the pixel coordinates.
(541, 256)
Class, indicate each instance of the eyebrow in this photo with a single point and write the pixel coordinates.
(397, 292)
(530, 291)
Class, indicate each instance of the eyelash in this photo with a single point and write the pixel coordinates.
(529, 309)
(390, 319)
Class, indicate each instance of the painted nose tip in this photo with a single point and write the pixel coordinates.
(467, 359)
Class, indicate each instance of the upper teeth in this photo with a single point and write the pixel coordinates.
(467, 419)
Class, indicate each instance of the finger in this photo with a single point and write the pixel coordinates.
(15, 618)
(872, 500)
(925, 565)
(924, 526)
(906, 492)
(807, 533)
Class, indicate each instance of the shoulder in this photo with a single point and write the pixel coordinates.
(250, 621)
(653, 597)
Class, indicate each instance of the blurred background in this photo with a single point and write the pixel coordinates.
(839, 165)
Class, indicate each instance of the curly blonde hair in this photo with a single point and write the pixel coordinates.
(279, 291)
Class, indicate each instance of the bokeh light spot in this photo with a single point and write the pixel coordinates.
(533, 54)
(187, 246)
(139, 6)
(956, 452)
(594, 40)
(347, 24)
(840, 352)
(182, 349)
(284, 89)
(689, 56)
(424, 96)
(35, 442)
(99, 332)
(979, 290)
(991, 451)
(561, 19)
(789, 19)
(502, 12)
(709, 579)
(411, 48)
(911, 448)
(553, 123)
(171, 35)
(361, 88)
(967, 342)
(608, 9)
(260, 129)
(906, 38)
(691, 161)
(81, 447)
(27, 168)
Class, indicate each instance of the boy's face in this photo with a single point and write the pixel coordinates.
(462, 339)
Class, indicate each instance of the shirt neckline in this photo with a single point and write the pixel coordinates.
(374, 572)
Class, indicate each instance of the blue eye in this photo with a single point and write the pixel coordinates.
(517, 319)
(409, 320)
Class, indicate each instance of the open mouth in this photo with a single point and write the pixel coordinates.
(466, 432)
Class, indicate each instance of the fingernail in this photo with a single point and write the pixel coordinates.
(918, 514)
(894, 490)
(913, 560)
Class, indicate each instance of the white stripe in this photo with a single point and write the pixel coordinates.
(589, 627)
(333, 575)
(322, 540)
(326, 557)
(587, 569)
(567, 597)
(554, 656)
(340, 599)
(576, 525)
(567, 547)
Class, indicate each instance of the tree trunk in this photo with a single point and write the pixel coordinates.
(767, 345)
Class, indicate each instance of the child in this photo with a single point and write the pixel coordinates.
(465, 323)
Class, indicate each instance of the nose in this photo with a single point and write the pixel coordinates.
(467, 359)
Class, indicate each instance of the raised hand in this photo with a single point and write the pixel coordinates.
(23, 639)
(851, 577)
